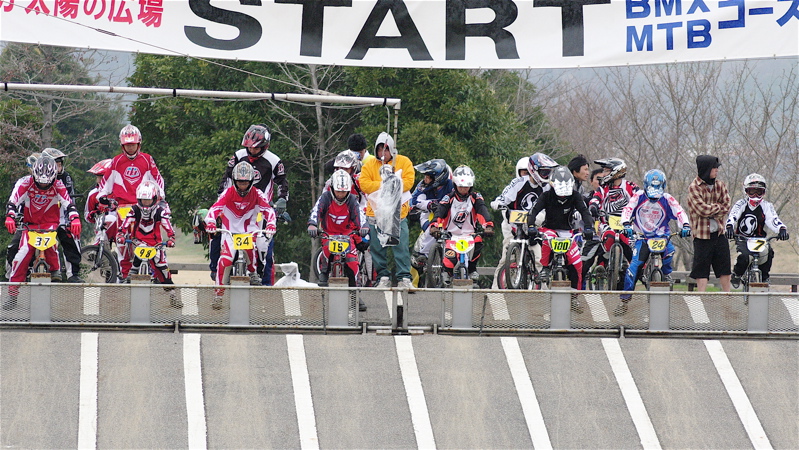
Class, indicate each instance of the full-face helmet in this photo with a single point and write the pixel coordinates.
(44, 172)
(540, 166)
(463, 176)
(618, 169)
(256, 136)
(31, 160)
(521, 164)
(654, 184)
(147, 198)
(347, 160)
(341, 185)
(562, 182)
(101, 167)
(243, 171)
(754, 188)
(129, 135)
(437, 169)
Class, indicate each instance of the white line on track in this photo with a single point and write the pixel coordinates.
(387, 295)
(526, 393)
(91, 300)
(738, 396)
(189, 298)
(643, 425)
(597, 307)
(499, 307)
(291, 302)
(303, 402)
(87, 409)
(697, 308)
(417, 404)
(195, 404)
(792, 305)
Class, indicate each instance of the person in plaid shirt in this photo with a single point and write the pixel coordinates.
(708, 206)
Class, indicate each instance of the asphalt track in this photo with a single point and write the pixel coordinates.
(129, 389)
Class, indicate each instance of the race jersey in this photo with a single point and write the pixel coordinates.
(520, 194)
(752, 222)
(270, 173)
(125, 175)
(652, 218)
(356, 191)
(558, 215)
(239, 213)
(337, 219)
(423, 194)
(150, 231)
(460, 216)
(41, 208)
(92, 205)
(612, 200)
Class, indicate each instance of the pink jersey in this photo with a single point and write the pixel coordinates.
(42, 208)
(152, 230)
(125, 175)
(239, 213)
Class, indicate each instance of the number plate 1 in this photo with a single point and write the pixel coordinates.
(657, 244)
(145, 253)
(41, 241)
(242, 241)
(561, 245)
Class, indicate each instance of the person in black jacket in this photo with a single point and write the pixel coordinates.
(559, 204)
(67, 242)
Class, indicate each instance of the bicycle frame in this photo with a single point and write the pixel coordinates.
(242, 241)
(520, 270)
(757, 248)
(652, 269)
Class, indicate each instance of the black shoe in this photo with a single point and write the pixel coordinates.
(543, 276)
(735, 280)
(55, 277)
(361, 305)
(75, 279)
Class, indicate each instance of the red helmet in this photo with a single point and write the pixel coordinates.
(130, 135)
(101, 167)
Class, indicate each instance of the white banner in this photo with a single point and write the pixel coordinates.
(417, 33)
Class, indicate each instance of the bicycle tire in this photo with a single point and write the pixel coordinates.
(614, 266)
(363, 279)
(514, 267)
(530, 271)
(106, 271)
(318, 261)
(336, 268)
(435, 267)
(598, 279)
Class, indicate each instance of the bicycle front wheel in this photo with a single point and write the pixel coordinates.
(598, 280)
(514, 269)
(98, 265)
(614, 266)
(435, 267)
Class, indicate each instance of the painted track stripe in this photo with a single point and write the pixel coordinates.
(87, 408)
(597, 307)
(526, 393)
(387, 295)
(738, 396)
(91, 300)
(303, 401)
(643, 425)
(189, 298)
(195, 403)
(291, 302)
(696, 308)
(499, 307)
(417, 404)
(792, 305)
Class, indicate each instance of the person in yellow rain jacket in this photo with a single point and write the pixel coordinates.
(377, 171)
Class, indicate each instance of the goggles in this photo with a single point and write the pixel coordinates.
(544, 172)
(755, 191)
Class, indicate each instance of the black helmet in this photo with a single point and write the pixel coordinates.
(256, 136)
(437, 169)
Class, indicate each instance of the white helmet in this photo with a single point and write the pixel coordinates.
(540, 166)
(243, 171)
(522, 165)
(754, 188)
(347, 159)
(147, 190)
(44, 172)
(385, 138)
(562, 181)
(340, 181)
(130, 135)
(463, 176)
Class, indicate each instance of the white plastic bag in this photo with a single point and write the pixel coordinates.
(387, 209)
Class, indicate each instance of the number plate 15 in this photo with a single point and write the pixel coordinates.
(338, 246)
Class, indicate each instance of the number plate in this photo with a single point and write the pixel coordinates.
(145, 253)
(516, 216)
(123, 212)
(41, 241)
(756, 245)
(242, 241)
(561, 245)
(338, 246)
(657, 244)
(463, 245)
(614, 222)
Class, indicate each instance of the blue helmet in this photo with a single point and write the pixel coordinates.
(437, 169)
(654, 184)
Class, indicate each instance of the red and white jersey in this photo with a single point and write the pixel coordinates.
(239, 214)
(152, 231)
(125, 175)
(92, 205)
(42, 208)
